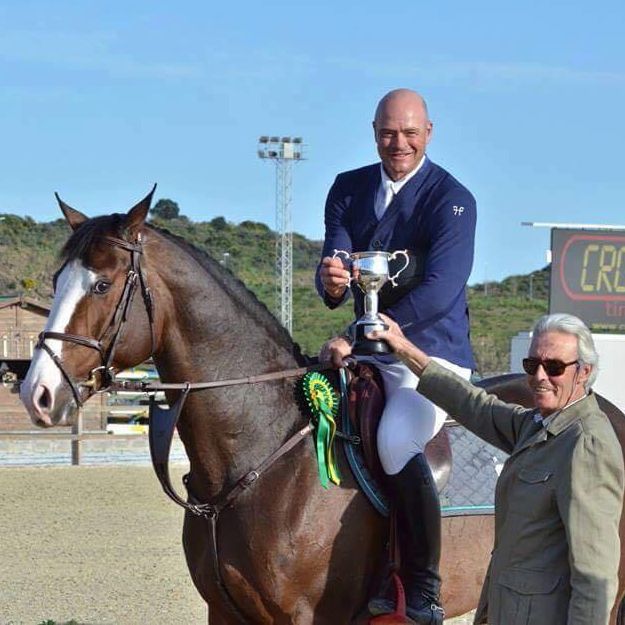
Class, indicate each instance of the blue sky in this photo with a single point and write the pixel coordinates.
(98, 100)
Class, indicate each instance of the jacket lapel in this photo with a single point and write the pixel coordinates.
(403, 202)
(574, 413)
(559, 423)
(536, 434)
(367, 220)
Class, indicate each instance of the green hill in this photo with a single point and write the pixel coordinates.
(29, 257)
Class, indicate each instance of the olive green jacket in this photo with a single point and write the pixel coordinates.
(558, 504)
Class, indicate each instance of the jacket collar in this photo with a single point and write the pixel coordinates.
(560, 422)
(402, 200)
(575, 412)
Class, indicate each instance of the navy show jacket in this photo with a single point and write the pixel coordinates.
(433, 216)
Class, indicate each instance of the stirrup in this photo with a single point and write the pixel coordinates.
(379, 606)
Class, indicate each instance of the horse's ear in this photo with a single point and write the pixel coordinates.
(74, 218)
(137, 214)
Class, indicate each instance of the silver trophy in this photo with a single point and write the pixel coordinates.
(370, 272)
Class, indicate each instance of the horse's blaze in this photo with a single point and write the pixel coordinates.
(44, 391)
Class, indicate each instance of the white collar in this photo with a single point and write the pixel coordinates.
(396, 185)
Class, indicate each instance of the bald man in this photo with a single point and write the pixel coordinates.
(408, 202)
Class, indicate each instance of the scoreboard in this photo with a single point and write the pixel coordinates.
(588, 277)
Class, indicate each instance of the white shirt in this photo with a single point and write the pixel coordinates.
(388, 188)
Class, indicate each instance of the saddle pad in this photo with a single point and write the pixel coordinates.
(468, 490)
(471, 486)
(360, 417)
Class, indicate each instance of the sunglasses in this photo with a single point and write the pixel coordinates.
(552, 367)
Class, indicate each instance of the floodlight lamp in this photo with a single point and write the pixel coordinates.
(263, 139)
(286, 139)
(275, 139)
(297, 140)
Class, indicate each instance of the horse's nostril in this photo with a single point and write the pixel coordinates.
(44, 399)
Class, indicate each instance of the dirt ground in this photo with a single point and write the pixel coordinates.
(99, 545)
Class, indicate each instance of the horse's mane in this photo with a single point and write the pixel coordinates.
(243, 296)
(79, 243)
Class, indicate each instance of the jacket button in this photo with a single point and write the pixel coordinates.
(377, 244)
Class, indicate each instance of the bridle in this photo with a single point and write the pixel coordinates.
(102, 377)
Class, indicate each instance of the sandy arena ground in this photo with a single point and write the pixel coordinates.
(100, 545)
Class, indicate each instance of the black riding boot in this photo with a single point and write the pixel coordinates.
(413, 492)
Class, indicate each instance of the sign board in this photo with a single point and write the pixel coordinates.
(588, 277)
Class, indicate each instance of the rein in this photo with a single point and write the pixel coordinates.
(149, 387)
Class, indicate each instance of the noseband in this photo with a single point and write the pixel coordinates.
(100, 378)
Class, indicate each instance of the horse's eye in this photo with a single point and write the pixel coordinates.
(101, 287)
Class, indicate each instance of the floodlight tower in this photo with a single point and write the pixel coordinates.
(284, 151)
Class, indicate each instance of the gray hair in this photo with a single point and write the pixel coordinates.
(569, 324)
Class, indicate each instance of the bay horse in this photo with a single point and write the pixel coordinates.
(290, 551)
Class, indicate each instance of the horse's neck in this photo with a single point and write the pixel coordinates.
(210, 331)
(208, 335)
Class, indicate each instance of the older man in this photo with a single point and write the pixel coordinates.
(408, 202)
(559, 496)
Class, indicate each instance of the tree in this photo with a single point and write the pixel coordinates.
(219, 223)
(166, 209)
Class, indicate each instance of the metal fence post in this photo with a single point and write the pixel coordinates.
(77, 439)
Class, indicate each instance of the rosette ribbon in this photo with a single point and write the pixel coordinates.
(323, 404)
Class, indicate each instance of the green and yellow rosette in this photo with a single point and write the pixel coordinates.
(323, 403)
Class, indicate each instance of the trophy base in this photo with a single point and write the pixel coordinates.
(369, 347)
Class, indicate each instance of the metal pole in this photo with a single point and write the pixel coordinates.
(77, 439)
(284, 244)
(283, 151)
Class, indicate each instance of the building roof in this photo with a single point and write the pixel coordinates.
(24, 302)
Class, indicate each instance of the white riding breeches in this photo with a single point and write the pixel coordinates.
(409, 420)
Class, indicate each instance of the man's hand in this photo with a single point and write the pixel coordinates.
(335, 351)
(334, 277)
(393, 336)
(415, 359)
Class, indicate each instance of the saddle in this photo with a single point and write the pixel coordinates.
(366, 403)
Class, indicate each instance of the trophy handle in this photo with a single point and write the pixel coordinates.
(339, 252)
(393, 279)
(347, 255)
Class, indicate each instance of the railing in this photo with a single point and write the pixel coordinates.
(18, 345)
(120, 416)
(75, 437)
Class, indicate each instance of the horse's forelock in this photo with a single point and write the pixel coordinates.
(82, 240)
